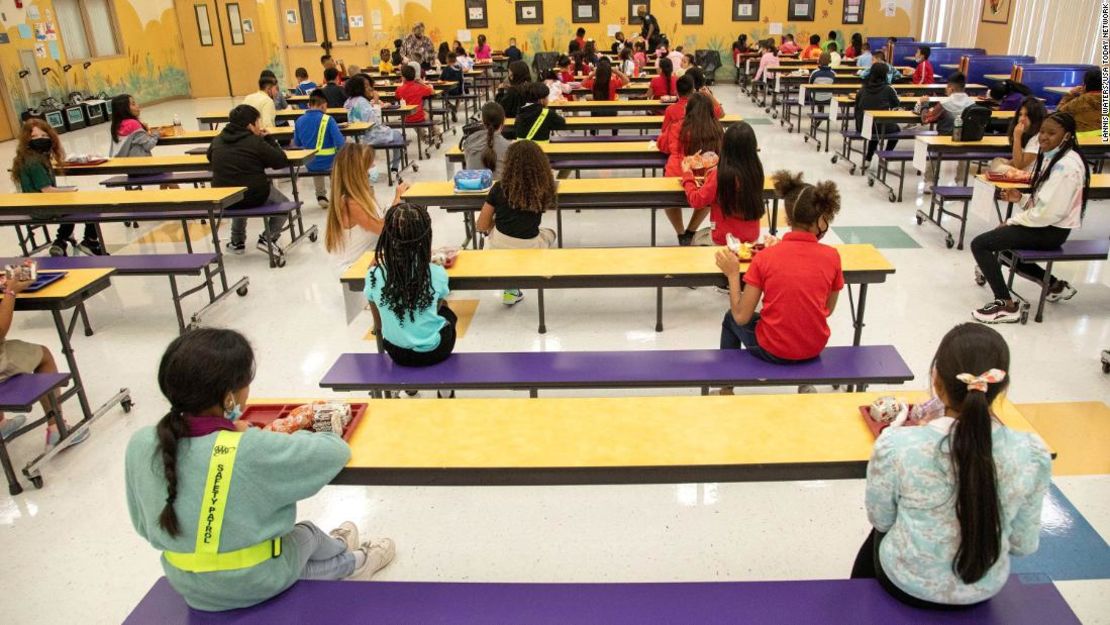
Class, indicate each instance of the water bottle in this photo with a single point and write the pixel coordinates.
(176, 121)
(958, 128)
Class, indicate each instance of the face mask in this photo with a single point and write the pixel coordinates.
(233, 413)
(375, 174)
(1051, 153)
(42, 144)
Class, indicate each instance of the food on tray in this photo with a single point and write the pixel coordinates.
(330, 416)
(890, 410)
(445, 256)
(300, 418)
(26, 270)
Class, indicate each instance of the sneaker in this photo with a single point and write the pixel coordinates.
(91, 248)
(272, 246)
(11, 424)
(323, 200)
(685, 239)
(721, 290)
(347, 533)
(511, 296)
(805, 389)
(445, 394)
(58, 249)
(377, 554)
(998, 312)
(236, 248)
(1060, 292)
(53, 437)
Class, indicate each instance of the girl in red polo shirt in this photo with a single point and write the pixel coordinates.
(732, 191)
(700, 131)
(798, 279)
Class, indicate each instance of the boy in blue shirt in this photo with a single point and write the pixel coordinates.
(316, 130)
(513, 53)
(305, 86)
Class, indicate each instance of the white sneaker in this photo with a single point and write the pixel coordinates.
(378, 554)
(348, 533)
(1061, 292)
(998, 312)
(12, 423)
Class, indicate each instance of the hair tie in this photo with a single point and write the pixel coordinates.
(980, 382)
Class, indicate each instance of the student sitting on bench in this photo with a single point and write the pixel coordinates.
(240, 155)
(535, 121)
(354, 219)
(256, 551)
(949, 501)
(363, 105)
(798, 279)
(316, 130)
(39, 150)
(732, 191)
(408, 292)
(1053, 209)
(18, 357)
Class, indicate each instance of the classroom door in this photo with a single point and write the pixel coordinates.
(307, 24)
(223, 49)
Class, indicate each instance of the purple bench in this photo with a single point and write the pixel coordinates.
(169, 265)
(1024, 600)
(877, 364)
(1078, 250)
(937, 212)
(21, 393)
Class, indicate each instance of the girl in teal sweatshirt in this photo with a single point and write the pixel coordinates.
(219, 499)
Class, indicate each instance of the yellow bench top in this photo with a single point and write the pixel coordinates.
(621, 432)
(118, 198)
(630, 261)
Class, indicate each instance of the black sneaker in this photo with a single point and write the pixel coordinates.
(1060, 292)
(998, 312)
(685, 239)
(272, 246)
(236, 248)
(58, 249)
(323, 200)
(91, 248)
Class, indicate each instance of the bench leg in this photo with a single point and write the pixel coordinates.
(659, 309)
(653, 228)
(857, 313)
(558, 225)
(543, 323)
(14, 487)
(177, 304)
(1045, 284)
(71, 362)
(774, 215)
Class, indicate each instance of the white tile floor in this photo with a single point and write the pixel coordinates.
(70, 556)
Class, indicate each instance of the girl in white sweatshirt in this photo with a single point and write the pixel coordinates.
(1054, 207)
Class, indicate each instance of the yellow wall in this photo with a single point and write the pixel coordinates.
(151, 65)
(994, 38)
(445, 17)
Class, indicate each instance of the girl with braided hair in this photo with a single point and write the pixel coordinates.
(219, 498)
(1054, 207)
(407, 291)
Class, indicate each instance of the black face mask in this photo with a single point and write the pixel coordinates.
(42, 144)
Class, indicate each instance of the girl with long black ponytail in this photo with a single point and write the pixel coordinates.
(1055, 206)
(952, 499)
(407, 291)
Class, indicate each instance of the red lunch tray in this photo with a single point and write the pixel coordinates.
(261, 415)
(877, 427)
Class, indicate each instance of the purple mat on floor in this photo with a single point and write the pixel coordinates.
(870, 364)
(21, 392)
(1025, 600)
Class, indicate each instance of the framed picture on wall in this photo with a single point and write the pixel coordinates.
(996, 11)
(585, 11)
(529, 12)
(693, 11)
(634, 10)
(853, 12)
(800, 10)
(745, 10)
(476, 14)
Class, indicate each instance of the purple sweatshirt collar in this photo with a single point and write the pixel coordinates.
(203, 425)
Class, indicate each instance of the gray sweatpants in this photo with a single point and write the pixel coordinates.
(321, 556)
(273, 224)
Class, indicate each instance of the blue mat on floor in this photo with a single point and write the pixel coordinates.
(1070, 548)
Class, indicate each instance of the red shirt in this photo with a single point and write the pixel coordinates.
(669, 142)
(719, 223)
(614, 84)
(923, 75)
(658, 87)
(581, 43)
(796, 277)
(812, 52)
(414, 93)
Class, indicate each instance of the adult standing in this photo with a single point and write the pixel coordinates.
(418, 48)
(649, 28)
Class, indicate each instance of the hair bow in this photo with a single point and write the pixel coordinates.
(980, 382)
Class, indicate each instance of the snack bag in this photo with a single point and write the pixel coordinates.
(300, 418)
(445, 256)
(889, 410)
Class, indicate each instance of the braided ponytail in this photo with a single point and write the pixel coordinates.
(493, 118)
(170, 428)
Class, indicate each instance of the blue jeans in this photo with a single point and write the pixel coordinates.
(736, 336)
(321, 556)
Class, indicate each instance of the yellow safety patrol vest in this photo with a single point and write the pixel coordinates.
(321, 134)
(207, 558)
(537, 125)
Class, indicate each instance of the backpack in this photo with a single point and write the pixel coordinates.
(975, 121)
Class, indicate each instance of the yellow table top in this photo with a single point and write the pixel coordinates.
(439, 189)
(629, 147)
(622, 431)
(909, 114)
(996, 76)
(279, 132)
(616, 120)
(185, 161)
(897, 87)
(1060, 90)
(994, 141)
(74, 280)
(118, 198)
(628, 261)
(294, 113)
(1098, 181)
